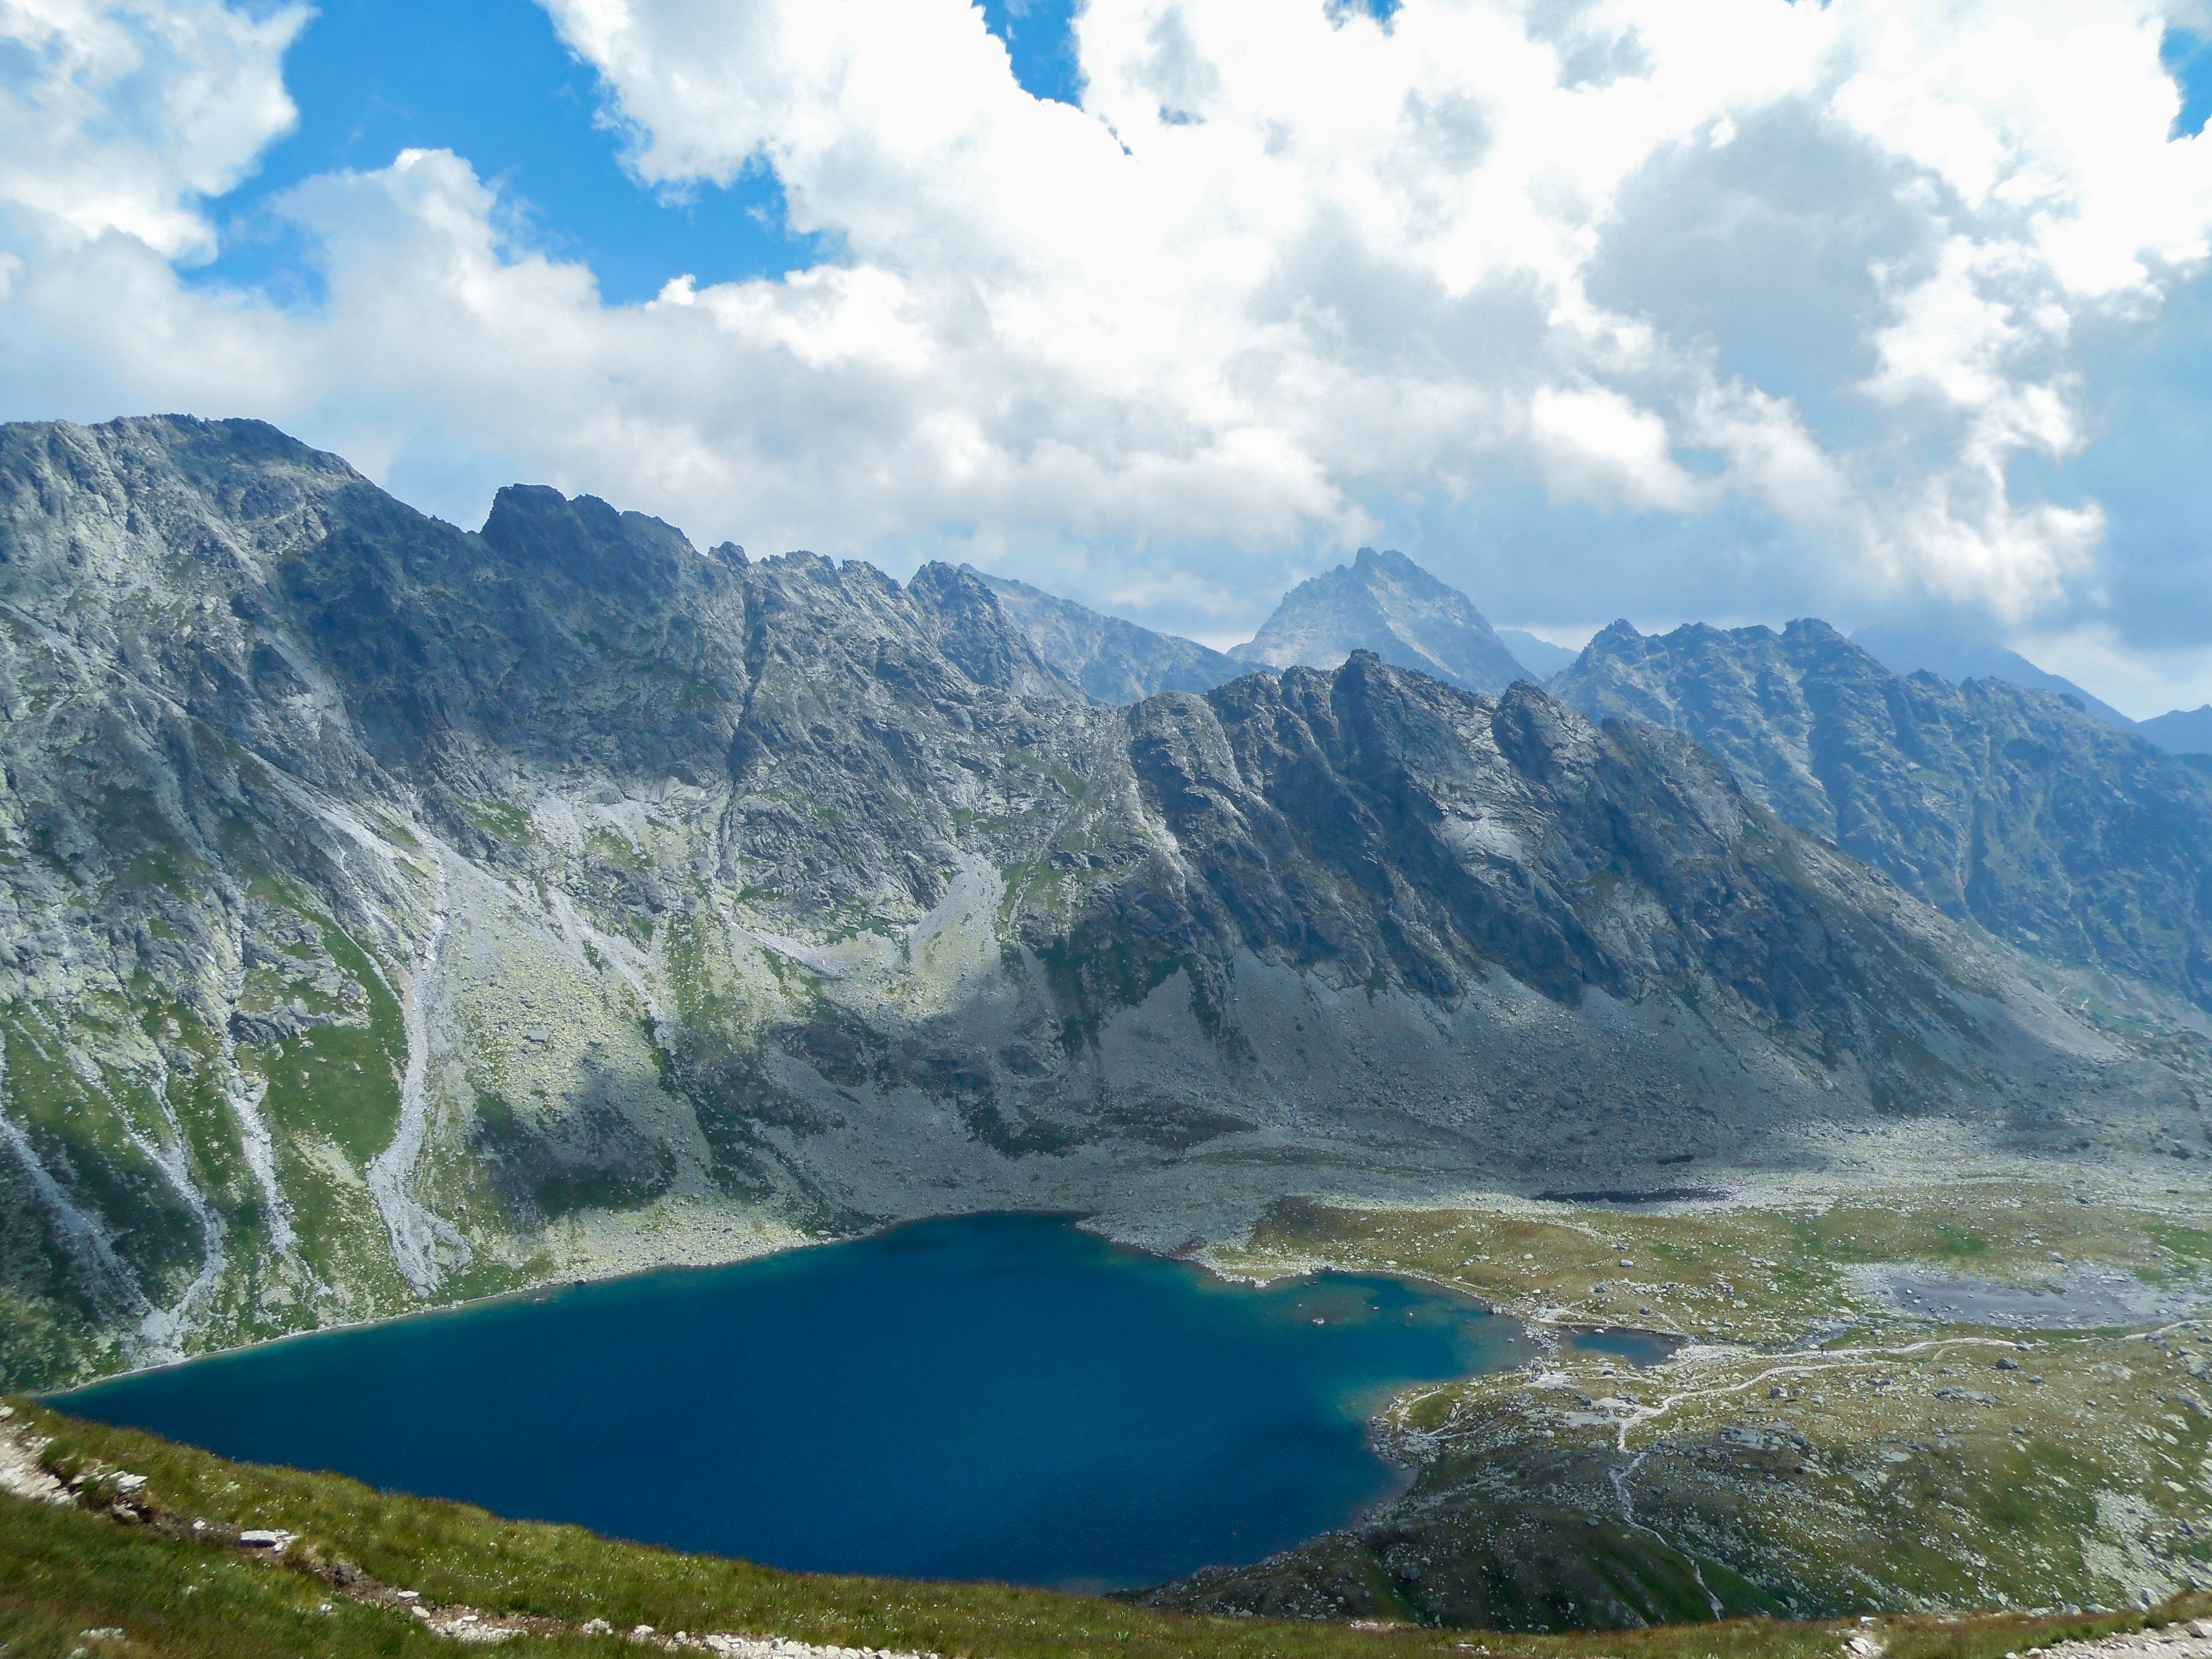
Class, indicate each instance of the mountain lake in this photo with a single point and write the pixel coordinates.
(997, 1396)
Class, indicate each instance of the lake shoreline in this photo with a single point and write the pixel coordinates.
(1026, 1386)
(538, 1290)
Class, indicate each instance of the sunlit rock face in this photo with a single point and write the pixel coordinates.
(390, 913)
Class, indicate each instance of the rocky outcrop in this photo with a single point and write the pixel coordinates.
(1386, 604)
(390, 913)
(2075, 842)
(1113, 660)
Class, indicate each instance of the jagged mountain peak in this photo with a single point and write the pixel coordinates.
(642, 558)
(1622, 632)
(974, 631)
(586, 539)
(1384, 603)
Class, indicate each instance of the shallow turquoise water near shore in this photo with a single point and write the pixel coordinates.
(998, 1396)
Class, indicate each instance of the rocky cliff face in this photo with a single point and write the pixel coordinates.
(392, 913)
(2072, 840)
(1386, 604)
(1113, 660)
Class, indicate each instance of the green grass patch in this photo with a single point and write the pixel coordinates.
(611, 848)
(336, 1081)
(501, 819)
(79, 1133)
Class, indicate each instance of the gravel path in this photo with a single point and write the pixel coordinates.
(2189, 1641)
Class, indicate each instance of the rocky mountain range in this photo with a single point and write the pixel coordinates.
(391, 914)
(1381, 603)
(1959, 658)
(2010, 807)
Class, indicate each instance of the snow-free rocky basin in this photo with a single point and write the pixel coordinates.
(998, 1396)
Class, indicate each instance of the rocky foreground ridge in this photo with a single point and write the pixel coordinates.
(391, 912)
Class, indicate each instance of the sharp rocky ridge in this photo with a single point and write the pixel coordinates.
(392, 913)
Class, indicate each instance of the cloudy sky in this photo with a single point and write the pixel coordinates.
(1735, 311)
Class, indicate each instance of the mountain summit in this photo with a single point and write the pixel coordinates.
(1386, 604)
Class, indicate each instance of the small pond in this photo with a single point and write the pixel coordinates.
(1638, 1348)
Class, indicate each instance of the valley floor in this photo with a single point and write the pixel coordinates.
(1924, 1396)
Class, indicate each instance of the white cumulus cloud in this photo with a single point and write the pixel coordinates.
(1821, 270)
(119, 116)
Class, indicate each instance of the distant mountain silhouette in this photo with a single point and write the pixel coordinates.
(2182, 731)
(1386, 604)
(1539, 656)
(1908, 650)
(1115, 661)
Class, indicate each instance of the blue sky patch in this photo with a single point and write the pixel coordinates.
(2188, 59)
(1039, 36)
(490, 81)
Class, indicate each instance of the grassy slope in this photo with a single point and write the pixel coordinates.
(1762, 1276)
(64, 1571)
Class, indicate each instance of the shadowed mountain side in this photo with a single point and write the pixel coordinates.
(1386, 604)
(391, 914)
(2072, 840)
(1113, 660)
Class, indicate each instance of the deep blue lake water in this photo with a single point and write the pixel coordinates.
(989, 1397)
